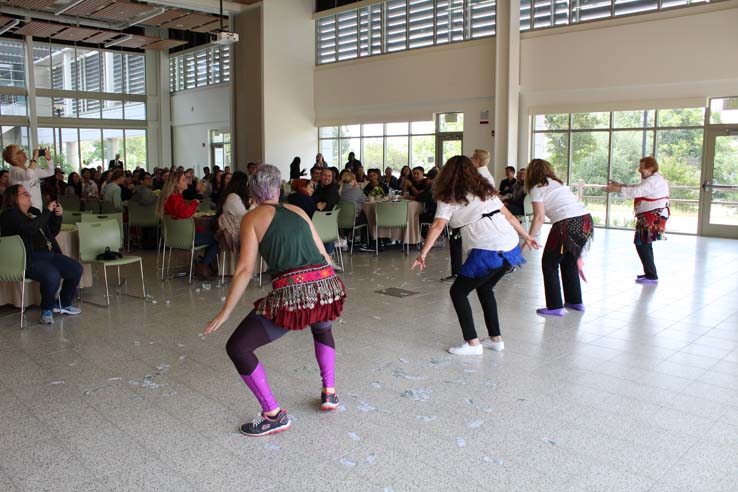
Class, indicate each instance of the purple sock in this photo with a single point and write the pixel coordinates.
(259, 386)
(326, 357)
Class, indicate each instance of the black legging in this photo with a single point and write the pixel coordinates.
(484, 286)
(645, 253)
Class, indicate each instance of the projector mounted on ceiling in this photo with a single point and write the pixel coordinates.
(223, 37)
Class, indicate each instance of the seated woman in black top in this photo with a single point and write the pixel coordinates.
(417, 182)
(302, 196)
(45, 262)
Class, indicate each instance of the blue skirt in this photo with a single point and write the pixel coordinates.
(481, 262)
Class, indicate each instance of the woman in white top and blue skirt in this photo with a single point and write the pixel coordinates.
(651, 202)
(466, 200)
(571, 232)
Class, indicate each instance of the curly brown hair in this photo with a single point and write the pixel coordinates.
(459, 178)
(538, 172)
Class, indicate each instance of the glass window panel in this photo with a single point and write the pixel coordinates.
(68, 158)
(589, 154)
(585, 10)
(397, 152)
(11, 105)
(135, 145)
(422, 127)
(64, 107)
(201, 67)
(722, 111)
(628, 147)
(135, 74)
(134, 110)
(553, 147)
(633, 119)
(423, 151)
(12, 63)
(350, 131)
(326, 39)
(15, 135)
(364, 35)
(586, 121)
(44, 106)
(47, 139)
(420, 23)
(551, 122)
(481, 18)
(451, 122)
(90, 144)
(348, 34)
(627, 7)
(561, 12)
(373, 130)
(525, 15)
(372, 153)
(112, 110)
(376, 28)
(395, 22)
(41, 65)
(396, 129)
(679, 154)
(89, 108)
(329, 149)
(328, 131)
(681, 117)
(349, 145)
(543, 14)
(724, 202)
(112, 144)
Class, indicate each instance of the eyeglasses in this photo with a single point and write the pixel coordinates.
(25, 194)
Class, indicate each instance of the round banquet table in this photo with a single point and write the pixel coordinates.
(414, 209)
(68, 239)
(205, 221)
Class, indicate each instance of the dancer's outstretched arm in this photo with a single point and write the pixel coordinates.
(538, 214)
(435, 230)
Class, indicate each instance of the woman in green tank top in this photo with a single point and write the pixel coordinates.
(306, 292)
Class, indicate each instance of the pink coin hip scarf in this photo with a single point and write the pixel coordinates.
(303, 296)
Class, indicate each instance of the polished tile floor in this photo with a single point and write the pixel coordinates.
(639, 393)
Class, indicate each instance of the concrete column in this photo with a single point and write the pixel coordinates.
(507, 86)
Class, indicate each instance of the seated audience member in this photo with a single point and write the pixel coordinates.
(45, 262)
(112, 191)
(352, 192)
(390, 181)
(375, 187)
(405, 178)
(426, 198)
(352, 163)
(507, 183)
(158, 179)
(54, 186)
(517, 195)
(360, 175)
(89, 187)
(216, 186)
(206, 173)
(224, 181)
(172, 203)
(74, 185)
(327, 196)
(4, 182)
(302, 196)
(315, 177)
(195, 189)
(142, 192)
(417, 182)
(233, 205)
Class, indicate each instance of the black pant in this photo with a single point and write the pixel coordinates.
(50, 270)
(454, 244)
(484, 286)
(550, 262)
(645, 253)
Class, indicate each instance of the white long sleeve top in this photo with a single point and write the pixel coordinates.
(30, 179)
(655, 188)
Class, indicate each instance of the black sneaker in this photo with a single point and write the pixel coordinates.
(511, 269)
(328, 401)
(263, 425)
(450, 278)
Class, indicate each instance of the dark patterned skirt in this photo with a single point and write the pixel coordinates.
(650, 226)
(572, 235)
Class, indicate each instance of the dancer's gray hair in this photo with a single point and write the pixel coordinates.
(267, 184)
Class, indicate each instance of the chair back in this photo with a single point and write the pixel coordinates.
(392, 214)
(92, 205)
(346, 215)
(70, 202)
(70, 217)
(107, 207)
(206, 205)
(142, 215)
(527, 205)
(12, 259)
(326, 223)
(94, 237)
(102, 217)
(179, 233)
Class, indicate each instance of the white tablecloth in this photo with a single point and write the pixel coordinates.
(414, 210)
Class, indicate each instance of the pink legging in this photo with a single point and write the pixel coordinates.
(256, 331)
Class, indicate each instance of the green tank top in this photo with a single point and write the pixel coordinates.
(288, 242)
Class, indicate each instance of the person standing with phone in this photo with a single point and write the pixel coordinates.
(29, 176)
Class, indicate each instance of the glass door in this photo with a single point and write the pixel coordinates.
(447, 146)
(719, 200)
